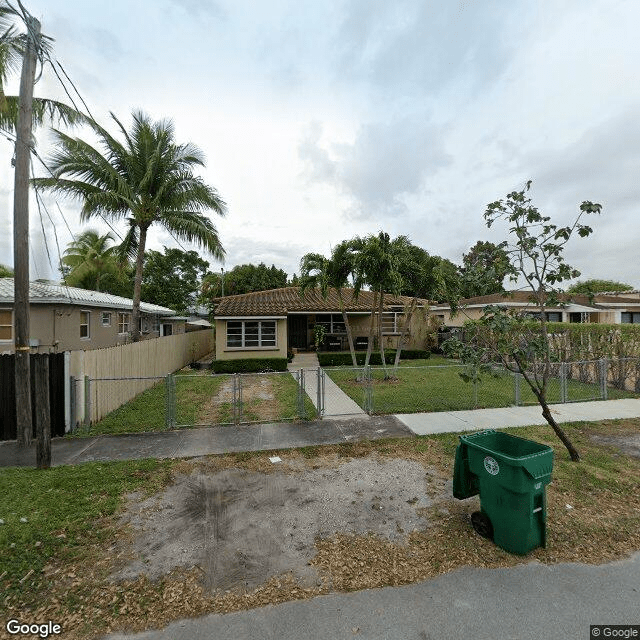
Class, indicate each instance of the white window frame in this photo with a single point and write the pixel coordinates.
(391, 322)
(86, 324)
(335, 319)
(261, 338)
(106, 315)
(10, 338)
(124, 320)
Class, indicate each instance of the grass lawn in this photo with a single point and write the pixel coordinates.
(435, 385)
(146, 412)
(64, 512)
(55, 563)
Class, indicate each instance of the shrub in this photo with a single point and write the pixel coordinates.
(343, 358)
(249, 365)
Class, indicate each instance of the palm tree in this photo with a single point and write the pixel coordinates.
(89, 260)
(147, 179)
(318, 271)
(12, 44)
(377, 261)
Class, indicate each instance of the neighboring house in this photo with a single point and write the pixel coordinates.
(198, 318)
(67, 318)
(267, 323)
(601, 308)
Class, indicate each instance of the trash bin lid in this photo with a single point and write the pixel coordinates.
(533, 457)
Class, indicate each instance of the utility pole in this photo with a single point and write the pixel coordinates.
(222, 280)
(21, 236)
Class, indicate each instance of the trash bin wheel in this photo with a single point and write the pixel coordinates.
(482, 524)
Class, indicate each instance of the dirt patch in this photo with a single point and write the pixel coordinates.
(243, 527)
(258, 394)
(628, 445)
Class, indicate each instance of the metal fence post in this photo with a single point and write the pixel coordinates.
(604, 370)
(170, 406)
(301, 393)
(87, 401)
(516, 389)
(320, 393)
(237, 397)
(563, 382)
(475, 387)
(368, 390)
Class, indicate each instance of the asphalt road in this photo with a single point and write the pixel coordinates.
(528, 602)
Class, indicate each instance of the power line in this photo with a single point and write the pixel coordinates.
(75, 106)
(66, 75)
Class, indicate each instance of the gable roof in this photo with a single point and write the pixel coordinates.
(52, 293)
(289, 300)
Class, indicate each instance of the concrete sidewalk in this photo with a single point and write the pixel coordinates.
(263, 437)
(453, 421)
(188, 443)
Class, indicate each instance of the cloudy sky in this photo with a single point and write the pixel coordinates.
(323, 120)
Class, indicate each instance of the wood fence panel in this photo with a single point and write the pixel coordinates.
(8, 394)
(129, 363)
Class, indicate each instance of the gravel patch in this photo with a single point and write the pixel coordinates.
(243, 527)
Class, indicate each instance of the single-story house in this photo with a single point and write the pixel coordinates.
(602, 308)
(265, 324)
(68, 318)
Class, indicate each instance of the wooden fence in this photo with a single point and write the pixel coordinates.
(118, 374)
(56, 394)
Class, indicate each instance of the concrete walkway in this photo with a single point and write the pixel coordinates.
(337, 404)
(453, 421)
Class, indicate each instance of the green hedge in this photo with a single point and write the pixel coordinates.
(249, 365)
(343, 358)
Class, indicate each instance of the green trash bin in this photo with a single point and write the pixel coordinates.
(511, 475)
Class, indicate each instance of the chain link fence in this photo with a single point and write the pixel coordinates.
(203, 399)
(452, 387)
(187, 400)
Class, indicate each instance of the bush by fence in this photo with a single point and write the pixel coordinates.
(343, 358)
(593, 341)
(249, 365)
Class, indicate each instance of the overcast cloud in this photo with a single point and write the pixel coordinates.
(321, 121)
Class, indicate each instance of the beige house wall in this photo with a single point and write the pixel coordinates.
(57, 328)
(359, 323)
(225, 353)
(459, 318)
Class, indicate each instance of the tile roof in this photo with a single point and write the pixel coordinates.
(520, 298)
(289, 300)
(52, 293)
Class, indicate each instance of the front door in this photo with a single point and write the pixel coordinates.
(297, 332)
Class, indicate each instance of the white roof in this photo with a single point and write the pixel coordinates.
(199, 322)
(52, 293)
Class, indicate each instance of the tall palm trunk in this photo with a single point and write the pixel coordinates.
(380, 341)
(347, 327)
(137, 285)
(405, 332)
(371, 327)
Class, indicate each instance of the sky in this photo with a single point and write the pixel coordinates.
(325, 120)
